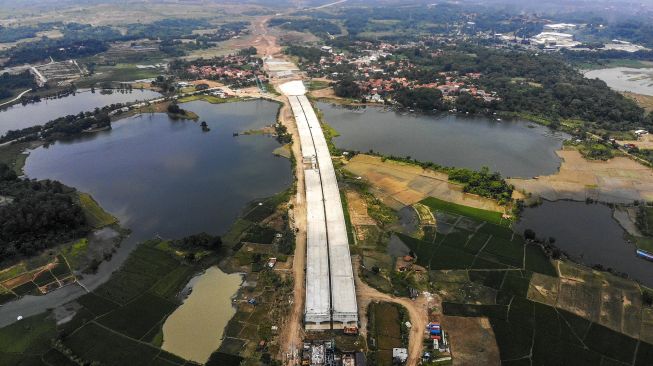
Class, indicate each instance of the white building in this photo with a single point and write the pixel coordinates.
(557, 27)
(554, 40)
(400, 354)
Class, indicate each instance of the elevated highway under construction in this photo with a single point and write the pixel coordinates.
(330, 289)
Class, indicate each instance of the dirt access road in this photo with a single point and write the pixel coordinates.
(291, 335)
(418, 311)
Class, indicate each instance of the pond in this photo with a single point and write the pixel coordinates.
(628, 79)
(194, 330)
(20, 116)
(164, 177)
(589, 233)
(513, 148)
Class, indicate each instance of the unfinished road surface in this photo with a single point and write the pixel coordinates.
(330, 289)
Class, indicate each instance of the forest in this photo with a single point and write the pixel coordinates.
(347, 88)
(13, 34)
(538, 84)
(411, 20)
(482, 182)
(10, 82)
(425, 99)
(35, 215)
(305, 54)
(82, 40)
(59, 50)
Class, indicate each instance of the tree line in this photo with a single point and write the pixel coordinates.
(62, 127)
(10, 82)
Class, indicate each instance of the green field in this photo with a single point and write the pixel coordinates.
(493, 217)
(474, 239)
(95, 215)
(542, 335)
(494, 271)
(118, 73)
(115, 323)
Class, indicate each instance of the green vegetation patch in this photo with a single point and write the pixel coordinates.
(537, 261)
(54, 357)
(94, 342)
(96, 304)
(30, 335)
(610, 343)
(385, 331)
(223, 359)
(95, 215)
(44, 278)
(25, 289)
(61, 270)
(139, 316)
(144, 267)
(510, 252)
(494, 217)
(168, 287)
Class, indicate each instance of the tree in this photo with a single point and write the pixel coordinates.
(175, 109)
(347, 88)
(529, 234)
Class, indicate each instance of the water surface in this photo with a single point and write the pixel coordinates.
(169, 178)
(628, 79)
(589, 233)
(19, 116)
(513, 148)
(194, 330)
(163, 177)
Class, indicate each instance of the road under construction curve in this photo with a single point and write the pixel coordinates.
(330, 287)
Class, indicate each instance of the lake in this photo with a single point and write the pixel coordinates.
(628, 79)
(164, 177)
(513, 148)
(19, 116)
(194, 330)
(589, 233)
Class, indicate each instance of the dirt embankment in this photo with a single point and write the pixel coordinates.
(618, 180)
(292, 332)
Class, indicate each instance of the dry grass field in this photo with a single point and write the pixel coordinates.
(618, 180)
(597, 296)
(644, 101)
(399, 184)
(472, 341)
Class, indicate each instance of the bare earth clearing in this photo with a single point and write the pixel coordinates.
(619, 180)
(399, 184)
(472, 341)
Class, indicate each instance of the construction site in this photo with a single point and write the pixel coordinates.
(330, 290)
(63, 73)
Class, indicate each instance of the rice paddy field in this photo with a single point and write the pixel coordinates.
(470, 238)
(385, 333)
(119, 321)
(542, 312)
